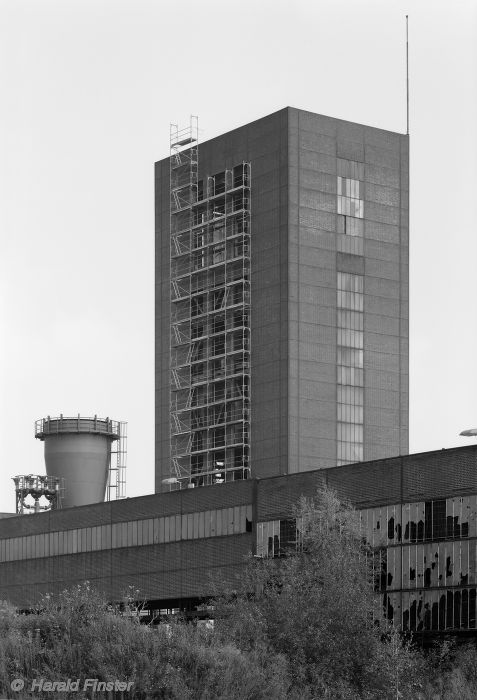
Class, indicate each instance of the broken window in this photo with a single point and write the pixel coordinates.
(435, 525)
(288, 537)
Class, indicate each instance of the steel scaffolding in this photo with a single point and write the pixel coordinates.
(116, 486)
(210, 317)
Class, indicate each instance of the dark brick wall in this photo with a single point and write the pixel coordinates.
(264, 144)
(315, 143)
(423, 476)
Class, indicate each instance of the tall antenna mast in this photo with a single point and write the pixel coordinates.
(407, 75)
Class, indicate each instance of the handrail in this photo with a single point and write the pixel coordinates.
(60, 425)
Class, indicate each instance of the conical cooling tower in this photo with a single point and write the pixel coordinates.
(78, 450)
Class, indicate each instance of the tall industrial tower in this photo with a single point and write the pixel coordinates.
(281, 299)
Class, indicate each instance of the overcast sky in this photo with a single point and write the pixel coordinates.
(87, 92)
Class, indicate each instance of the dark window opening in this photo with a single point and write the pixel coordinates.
(287, 535)
(435, 525)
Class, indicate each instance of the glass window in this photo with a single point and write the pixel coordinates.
(349, 195)
(161, 529)
(225, 518)
(249, 519)
(150, 531)
(350, 357)
(155, 525)
(178, 528)
(260, 536)
(136, 532)
(167, 528)
(195, 532)
(207, 523)
(141, 532)
(202, 524)
(273, 545)
(124, 534)
(350, 338)
(288, 535)
(354, 227)
(238, 526)
(172, 528)
(74, 541)
(350, 375)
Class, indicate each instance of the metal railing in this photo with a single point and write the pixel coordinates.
(77, 424)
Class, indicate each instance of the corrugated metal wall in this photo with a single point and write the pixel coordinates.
(186, 568)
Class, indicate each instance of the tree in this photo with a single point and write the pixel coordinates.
(318, 608)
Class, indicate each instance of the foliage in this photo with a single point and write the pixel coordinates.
(451, 672)
(77, 635)
(317, 607)
(307, 625)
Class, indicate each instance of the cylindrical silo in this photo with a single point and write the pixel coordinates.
(79, 451)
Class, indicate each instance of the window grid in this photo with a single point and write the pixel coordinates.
(350, 202)
(172, 528)
(350, 370)
(350, 196)
(427, 586)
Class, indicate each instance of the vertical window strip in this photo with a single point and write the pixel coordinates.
(350, 194)
(235, 520)
(350, 371)
(349, 198)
